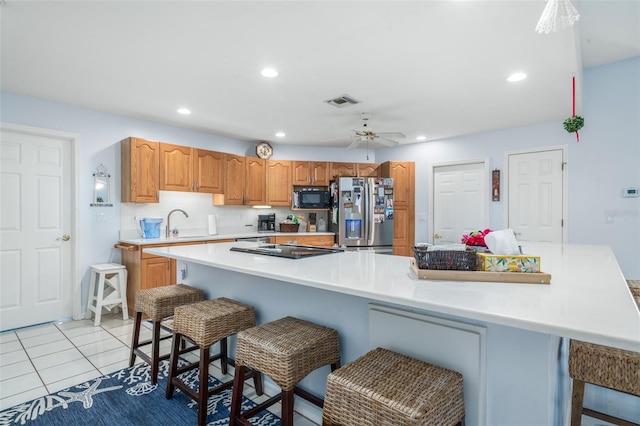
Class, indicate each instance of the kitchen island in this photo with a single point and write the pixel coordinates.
(508, 340)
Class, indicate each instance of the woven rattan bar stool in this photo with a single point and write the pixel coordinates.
(603, 366)
(384, 387)
(286, 350)
(206, 323)
(158, 304)
(612, 368)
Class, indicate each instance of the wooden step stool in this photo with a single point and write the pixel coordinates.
(107, 289)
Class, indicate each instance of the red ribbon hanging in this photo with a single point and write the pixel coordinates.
(573, 108)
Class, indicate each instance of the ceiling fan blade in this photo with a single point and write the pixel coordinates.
(355, 143)
(398, 135)
(343, 138)
(386, 142)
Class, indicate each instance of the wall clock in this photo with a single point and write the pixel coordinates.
(264, 150)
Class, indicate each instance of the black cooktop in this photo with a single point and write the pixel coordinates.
(287, 250)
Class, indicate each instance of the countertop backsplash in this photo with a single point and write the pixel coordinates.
(230, 219)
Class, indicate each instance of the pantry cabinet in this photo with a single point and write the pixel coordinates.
(278, 183)
(314, 173)
(403, 174)
(140, 171)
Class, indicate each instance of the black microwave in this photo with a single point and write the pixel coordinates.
(313, 199)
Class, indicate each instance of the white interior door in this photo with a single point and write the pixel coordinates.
(460, 201)
(536, 194)
(36, 283)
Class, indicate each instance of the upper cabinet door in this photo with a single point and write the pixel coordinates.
(176, 167)
(368, 170)
(254, 189)
(234, 176)
(279, 183)
(208, 173)
(140, 170)
(320, 173)
(343, 169)
(301, 173)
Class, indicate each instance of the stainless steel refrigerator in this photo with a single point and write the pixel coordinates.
(361, 213)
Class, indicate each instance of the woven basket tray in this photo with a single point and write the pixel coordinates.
(289, 227)
(451, 260)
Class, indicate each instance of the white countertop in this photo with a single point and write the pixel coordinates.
(205, 237)
(588, 298)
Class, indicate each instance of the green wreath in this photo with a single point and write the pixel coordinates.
(573, 124)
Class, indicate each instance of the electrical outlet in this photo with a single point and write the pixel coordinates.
(101, 218)
(608, 218)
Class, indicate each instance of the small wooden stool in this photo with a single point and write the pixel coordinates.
(384, 387)
(206, 323)
(286, 350)
(158, 303)
(107, 289)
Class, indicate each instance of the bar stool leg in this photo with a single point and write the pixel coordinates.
(236, 395)
(203, 389)
(135, 338)
(173, 363)
(576, 402)
(286, 414)
(224, 358)
(155, 352)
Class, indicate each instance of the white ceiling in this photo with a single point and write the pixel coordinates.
(432, 68)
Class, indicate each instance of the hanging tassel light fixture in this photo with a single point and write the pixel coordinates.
(557, 15)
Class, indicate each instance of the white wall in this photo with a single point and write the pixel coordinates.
(606, 160)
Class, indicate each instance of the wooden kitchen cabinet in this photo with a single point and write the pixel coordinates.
(255, 188)
(278, 183)
(208, 171)
(190, 169)
(140, 171)
(146, 270)
(176, 170)
(343, 169)
(368, 170)
(244, 181)
(403, 174)
(314, 173)
(304, 240)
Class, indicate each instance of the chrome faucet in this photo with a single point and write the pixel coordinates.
(169, 220)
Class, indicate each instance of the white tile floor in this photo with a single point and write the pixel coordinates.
(39, 360)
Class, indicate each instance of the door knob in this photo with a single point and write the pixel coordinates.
(436, 236)
(65, 237)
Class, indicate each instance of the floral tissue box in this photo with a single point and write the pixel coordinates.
(508, 263)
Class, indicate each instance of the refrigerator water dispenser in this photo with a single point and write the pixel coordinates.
(353, 228)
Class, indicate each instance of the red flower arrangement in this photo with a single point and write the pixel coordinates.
(476, 238)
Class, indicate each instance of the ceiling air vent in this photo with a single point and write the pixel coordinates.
(342, 101)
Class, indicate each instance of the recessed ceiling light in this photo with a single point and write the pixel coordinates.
(517, 76)
(269, 72)
(280, 135)
(421, 138)
(184, 111)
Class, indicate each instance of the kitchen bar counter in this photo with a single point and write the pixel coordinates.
(204, 237)
(508, 340)
(587, 299)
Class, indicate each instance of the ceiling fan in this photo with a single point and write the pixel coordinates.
(366, 135)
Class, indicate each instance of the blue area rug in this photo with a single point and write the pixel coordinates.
(127, 397)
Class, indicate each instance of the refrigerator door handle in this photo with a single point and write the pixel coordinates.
(370, 210)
